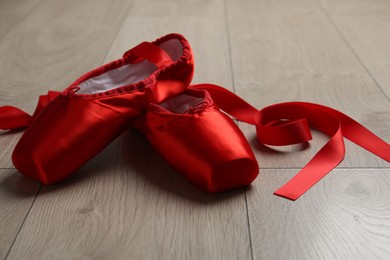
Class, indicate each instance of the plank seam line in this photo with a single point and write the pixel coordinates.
(229, 46)
(118, 30)
(351, 48)
(249, 225)
(24, 220)
(234, 91)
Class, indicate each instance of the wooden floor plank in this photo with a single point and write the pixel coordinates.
(345, 216)
(55, 44)
(17, 194)
(12, 12)
(366, 26)
(127, 203)
(174, 8)
(210, 49)
(298, 55)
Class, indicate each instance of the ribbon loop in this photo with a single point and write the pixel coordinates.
(283, 132)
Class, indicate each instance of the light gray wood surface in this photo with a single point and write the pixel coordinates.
(366, 27)
(17, 194)
(345, 217)
(127, 203)
(300, 55)
(13, 12)
(51, 47)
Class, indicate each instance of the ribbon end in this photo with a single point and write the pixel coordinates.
(287, 195)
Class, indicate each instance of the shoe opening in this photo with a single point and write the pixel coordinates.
(128, 73)
(186, 102)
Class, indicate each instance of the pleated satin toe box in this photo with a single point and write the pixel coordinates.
(200, 142)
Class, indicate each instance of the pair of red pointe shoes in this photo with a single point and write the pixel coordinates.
(148, 84)
(149, 88)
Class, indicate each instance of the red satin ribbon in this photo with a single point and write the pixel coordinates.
(279, 124)
(14, 118)
(288, 123)
(150, 52)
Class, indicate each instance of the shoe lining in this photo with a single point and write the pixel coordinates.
(129, 73)
(181, 103)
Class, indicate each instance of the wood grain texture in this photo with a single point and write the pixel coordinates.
(366, 26)
(50, 48)
(13, 12)
(345, 216)
(17, 194)
(298, 55)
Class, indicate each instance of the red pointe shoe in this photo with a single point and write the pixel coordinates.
(200, 142)
(71, 127)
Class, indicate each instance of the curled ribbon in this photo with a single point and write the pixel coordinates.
(279, 124)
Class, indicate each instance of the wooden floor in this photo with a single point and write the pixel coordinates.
(128, 204)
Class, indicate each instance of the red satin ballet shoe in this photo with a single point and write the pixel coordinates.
(200, 142)
(71, 127)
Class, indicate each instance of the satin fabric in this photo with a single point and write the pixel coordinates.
(68, 129)
(203, 144)
(289, 123)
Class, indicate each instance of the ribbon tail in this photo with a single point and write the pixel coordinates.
(320, 165)
(13, 118)
(361, 136)
(230, 103)
(317, 117)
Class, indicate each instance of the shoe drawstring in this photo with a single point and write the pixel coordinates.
(197, 108)
(71, 91)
